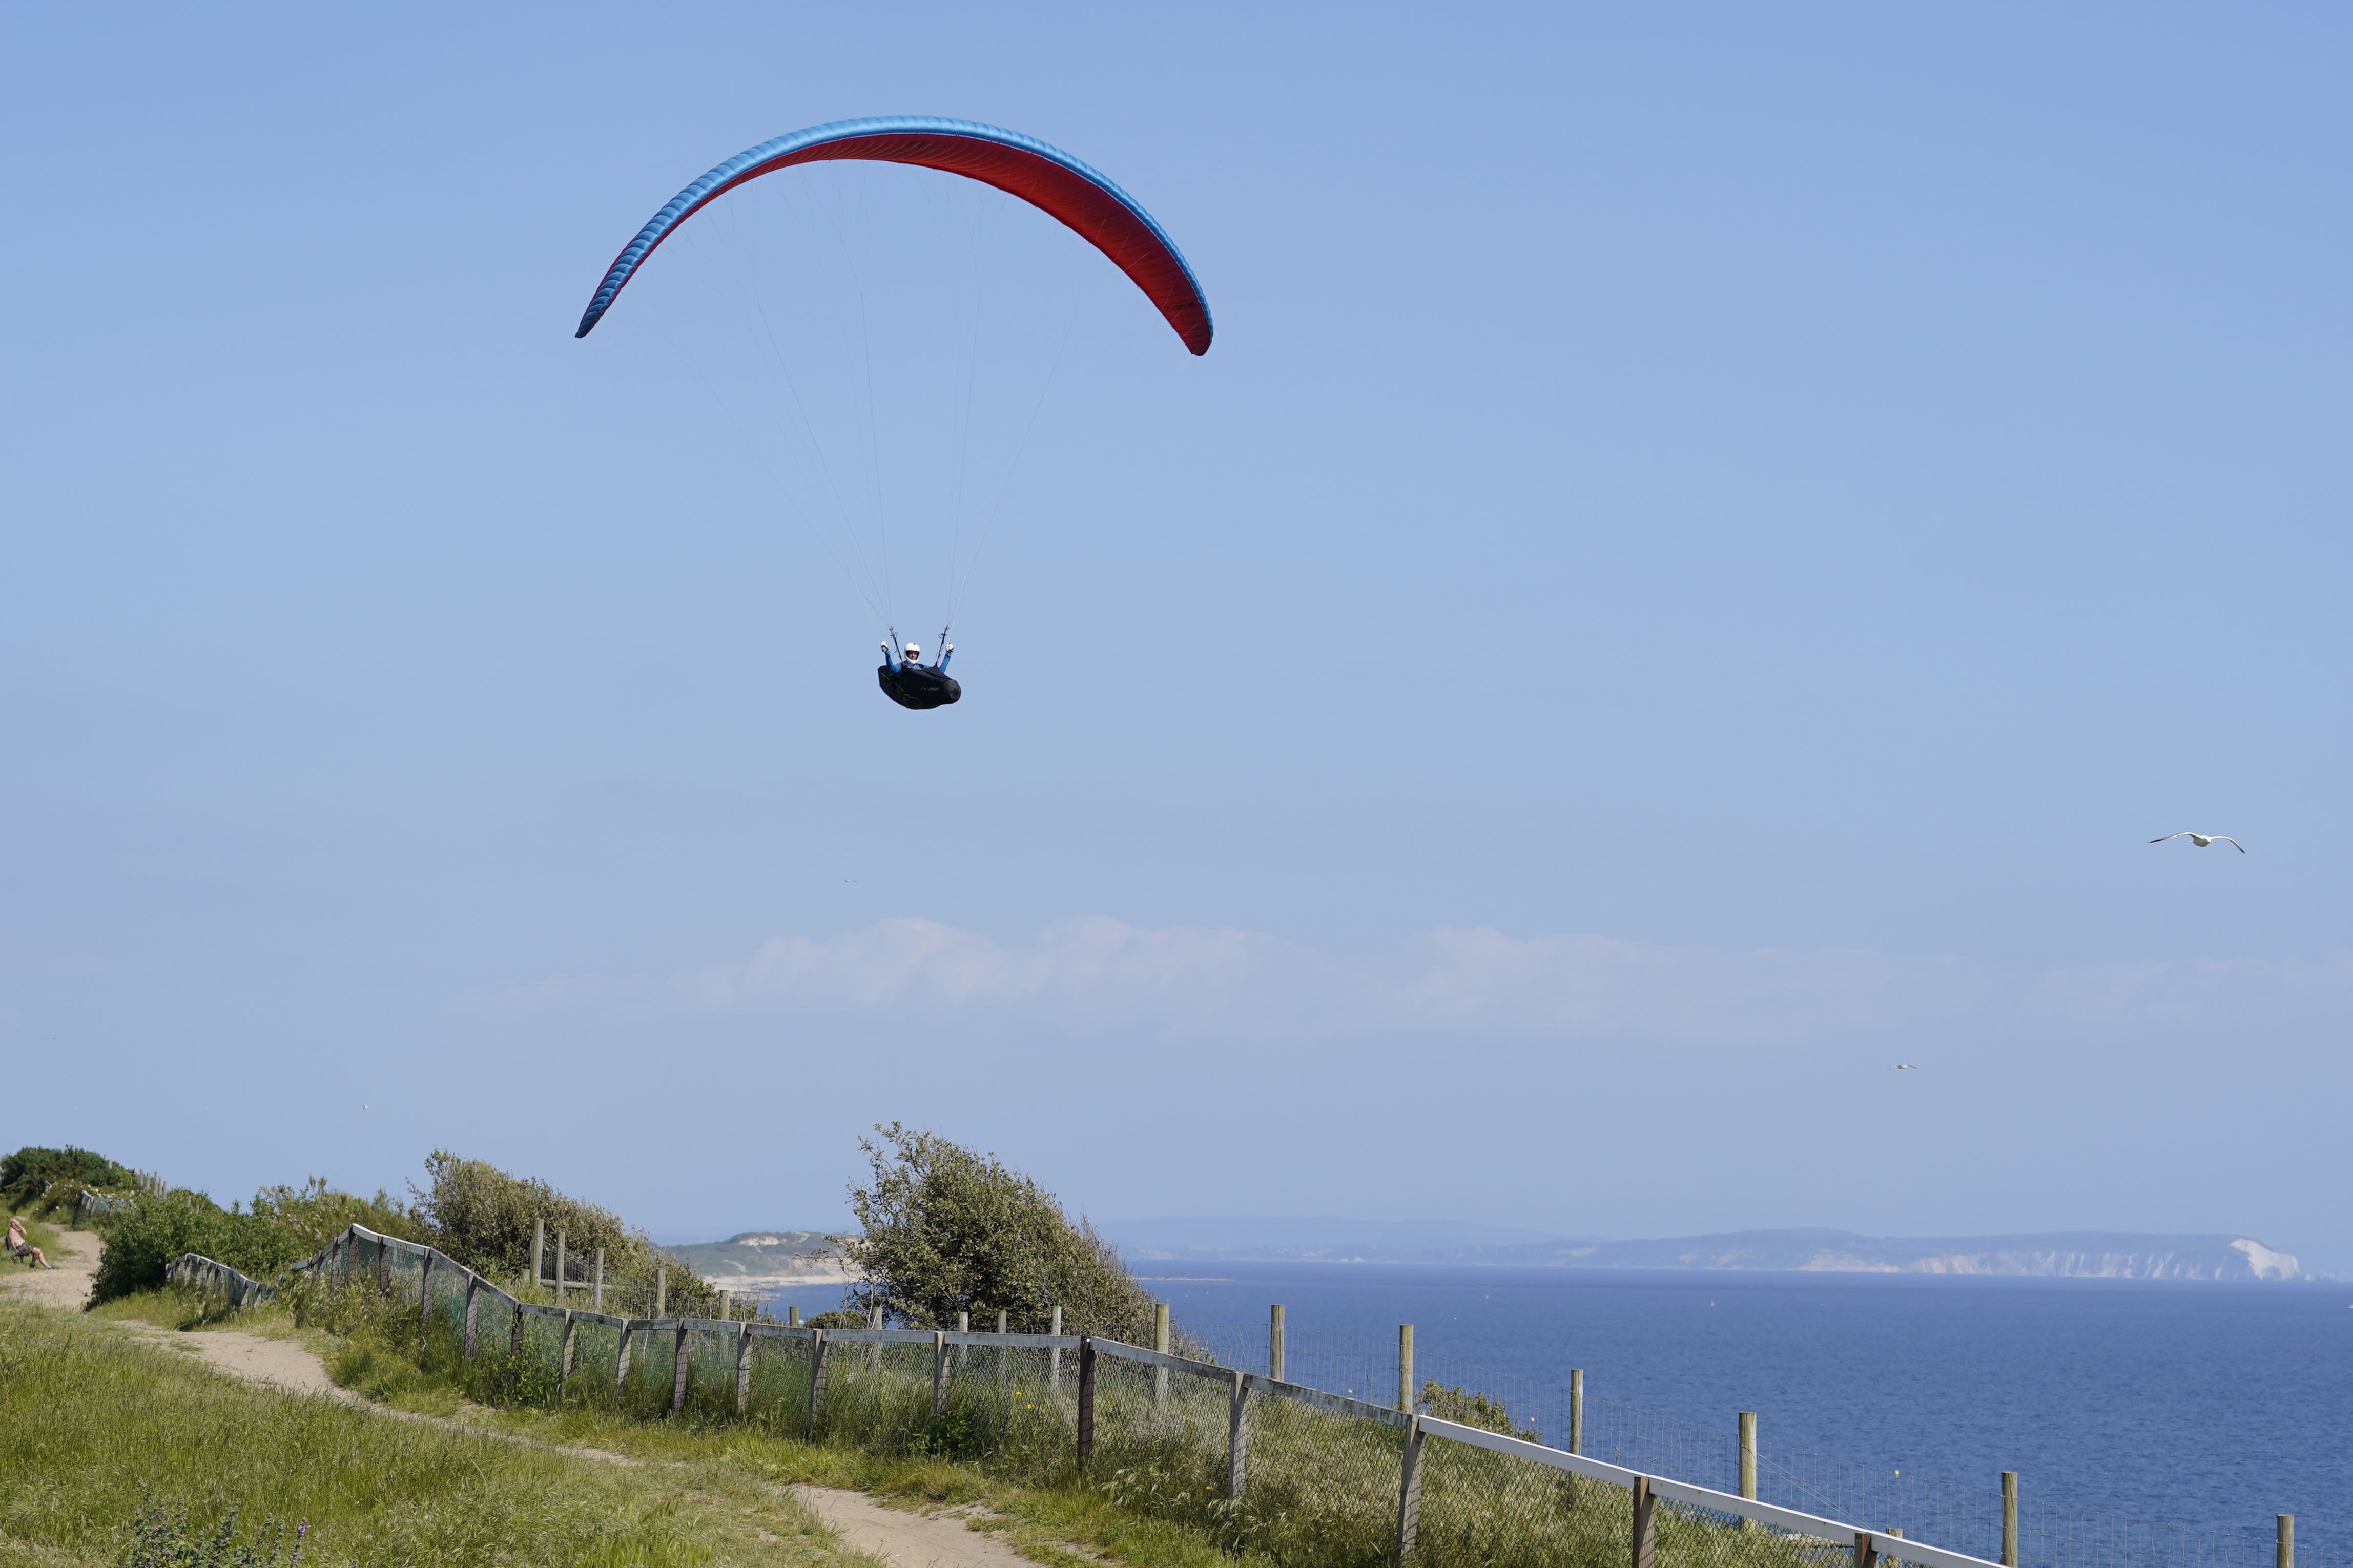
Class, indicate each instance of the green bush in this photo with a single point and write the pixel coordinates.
(163, 1538)
(139, 1244)
(318, 1214)
(27, 1172)
(482, 1217)
(1466, 1408)
(948, 1230)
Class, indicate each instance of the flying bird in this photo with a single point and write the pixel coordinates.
(2204, 841)
(1906, 1066)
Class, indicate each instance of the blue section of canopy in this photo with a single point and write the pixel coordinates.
(745, 163)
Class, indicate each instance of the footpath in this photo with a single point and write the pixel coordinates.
(893, 1536)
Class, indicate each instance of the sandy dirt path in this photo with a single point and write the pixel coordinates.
(902, 1539)
(907, 1539)
(68, 1284)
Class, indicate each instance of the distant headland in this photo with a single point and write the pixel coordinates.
(2084, 1255)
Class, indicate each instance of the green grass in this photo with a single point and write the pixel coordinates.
(94, 1424)
(1322, 1491)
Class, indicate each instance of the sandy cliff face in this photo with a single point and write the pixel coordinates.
(760, 1260)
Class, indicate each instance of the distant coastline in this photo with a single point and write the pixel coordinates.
(758, 1262)
(2078, 1255)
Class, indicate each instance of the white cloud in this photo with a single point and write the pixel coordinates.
(1094, 974)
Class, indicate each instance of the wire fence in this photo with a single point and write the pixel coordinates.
(1326, 1450)
(1967, 1519)
(1314, 1478)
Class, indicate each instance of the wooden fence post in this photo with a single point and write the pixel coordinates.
(963, 1326)
(2010, 1519)
(726, 1311)
(742, 1366)
(515, 1334)
(680, 1360)
(1274, 1342)
(621, 1359)
(1410, 1495)
(793, 1316)
(1004, 1353)
(874, 1351)
(1237, 1439)
(1577, 1410)
(939, 1374)
(1866, 1551)
(1160, 1343)
(1405, 1368)
(817, 1383)
(383, 1268)
(560, 1266)
(1086, 1400)
(1054, 1356)
(425, 1292)
(473, 1285)
(1748, 1461)
(564, 1377)
(2284, 1541)
(596, 1300)
(538, 1248)
(1644, 1554)
(661, 1289)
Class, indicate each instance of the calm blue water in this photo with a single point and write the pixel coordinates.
(2211, 1406)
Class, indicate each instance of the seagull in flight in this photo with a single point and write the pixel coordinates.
(2204, 841)
(1906, 1066)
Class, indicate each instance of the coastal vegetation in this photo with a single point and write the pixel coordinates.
(28, 1177)
(947, 1231)
(98, 1432)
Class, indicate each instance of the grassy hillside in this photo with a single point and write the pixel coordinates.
(97, 1427)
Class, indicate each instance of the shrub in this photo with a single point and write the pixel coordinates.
(140, 1243)
(1466, 1408)
(165, 1539)
(25, 1173)
(482, 1217)
(317, 1214)
(950, 1230)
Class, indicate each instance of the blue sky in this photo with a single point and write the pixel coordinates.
(1706, 542)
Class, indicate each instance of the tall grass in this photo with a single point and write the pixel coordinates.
(96, 1427)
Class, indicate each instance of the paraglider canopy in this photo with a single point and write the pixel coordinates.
(1046, 177)
(836, 475)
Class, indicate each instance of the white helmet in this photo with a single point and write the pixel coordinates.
(913, 651)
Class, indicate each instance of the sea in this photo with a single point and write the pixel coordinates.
(2148, 1422)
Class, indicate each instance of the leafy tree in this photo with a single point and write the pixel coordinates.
(949, 1230)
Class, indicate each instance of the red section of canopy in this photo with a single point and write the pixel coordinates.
(1086, 208)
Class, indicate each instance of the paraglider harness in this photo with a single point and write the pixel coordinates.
(910, 684)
